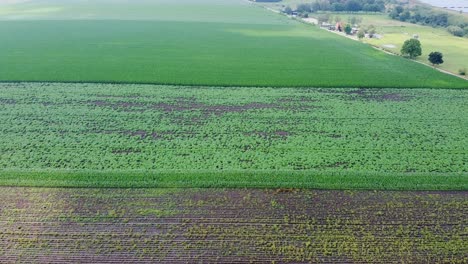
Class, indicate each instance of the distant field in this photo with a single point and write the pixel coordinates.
(455, 49)
(220, 43)
(132, 135)
(231, 226)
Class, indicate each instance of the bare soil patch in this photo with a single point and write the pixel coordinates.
(230, 226)
(378, 95)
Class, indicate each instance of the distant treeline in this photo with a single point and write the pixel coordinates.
(341, 6)
(455, 24)
(263, 1)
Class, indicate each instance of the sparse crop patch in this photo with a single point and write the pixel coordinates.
(225, 226)
(196, 134)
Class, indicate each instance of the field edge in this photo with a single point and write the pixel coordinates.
(235, 179)
(182, 84)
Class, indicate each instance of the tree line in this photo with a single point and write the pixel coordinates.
(341, 6)
(418, 14)
(427, 16)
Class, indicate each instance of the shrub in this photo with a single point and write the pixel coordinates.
(361, 34)
(462, 71)
(348, 29)
(456, 31)
(288, 10)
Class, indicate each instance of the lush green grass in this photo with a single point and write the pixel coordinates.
(394, 32)
(254, 48)
(455, 49)
(233, 136)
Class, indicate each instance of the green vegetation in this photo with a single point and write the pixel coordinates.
(235, 179)
(411, 48)
(298, 137)
(436, 58)
(336, 6)
(256, 124)
(180, 48)
(395, 33)
(348, 29)
(455, 24)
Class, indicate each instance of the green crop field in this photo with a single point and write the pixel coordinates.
(394, 33)
(176, 131)
(113, 135)
(220, 43)
(455, 49)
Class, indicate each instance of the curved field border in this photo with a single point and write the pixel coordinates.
(234, 179)
(288, 54)
(195, 85)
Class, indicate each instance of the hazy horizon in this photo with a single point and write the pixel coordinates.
(457, 5)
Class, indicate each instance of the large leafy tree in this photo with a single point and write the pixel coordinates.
(436, 58)
(411, 48)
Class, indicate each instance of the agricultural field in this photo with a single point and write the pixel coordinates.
(104, 134)
(455, 49)
(229, 43)
(217, 131)
(231, 226)
(394, 33)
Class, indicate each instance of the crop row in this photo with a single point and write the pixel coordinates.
(215, 225)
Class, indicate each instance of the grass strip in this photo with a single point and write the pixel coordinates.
(235, 179)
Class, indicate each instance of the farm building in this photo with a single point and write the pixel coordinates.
(339, 26)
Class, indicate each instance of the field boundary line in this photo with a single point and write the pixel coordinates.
(227, 85)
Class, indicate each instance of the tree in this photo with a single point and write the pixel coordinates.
(321, 5)
(303, 8)
(361, 34)
(338, 7)
(348, 29)
(396, 12)
(405, 15)
(411, 48)
(288, 10)
(354, 20)
(353, 6)
(370, 30)
(373, 7)
(436, 58)
(462, 71)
